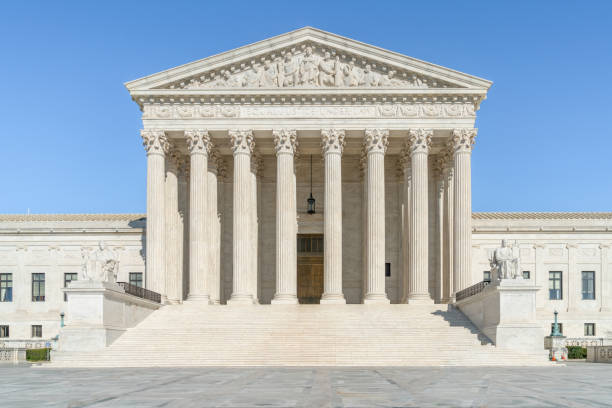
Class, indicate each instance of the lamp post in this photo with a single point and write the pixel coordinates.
(62, 319)
(555, 329)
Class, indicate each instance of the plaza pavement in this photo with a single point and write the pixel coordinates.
(573, 385)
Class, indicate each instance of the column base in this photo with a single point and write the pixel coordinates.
(204, 299)
(284, 300)
(240, 300)
(333, 299)
(419, 299)
(372, 298)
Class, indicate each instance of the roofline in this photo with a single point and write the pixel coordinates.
(294, 35)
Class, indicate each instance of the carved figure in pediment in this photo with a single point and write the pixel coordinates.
(370, 78)
(352, 75)
(338, 77)
(417, 82)
(231, 81)
(309, 68)
(290, 71)
(327, 71)
(252, 77)
(390, 80)
(270, 75)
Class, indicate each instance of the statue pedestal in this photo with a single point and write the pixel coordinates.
(505, 312)
(98, 313)
(556, 347)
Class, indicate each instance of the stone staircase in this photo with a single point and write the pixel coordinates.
(302, 335)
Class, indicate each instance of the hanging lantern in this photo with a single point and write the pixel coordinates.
(311, 200)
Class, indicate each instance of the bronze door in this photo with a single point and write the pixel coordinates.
(310, 268)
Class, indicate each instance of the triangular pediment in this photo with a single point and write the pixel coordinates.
(308, 59)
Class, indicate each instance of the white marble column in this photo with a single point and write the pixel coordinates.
(406, 166)
(173, 241)
(332, 144)
(285, 144)
(183, 182)
(213, 228)
(462, 141)
(448, 230)
(199, 145)
(256, 165)
(419, 142)
(440, 197)
(376, 141)
(242, 144)
(363, 170)
(156, 145)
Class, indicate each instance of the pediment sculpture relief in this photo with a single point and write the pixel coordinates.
(310, 67)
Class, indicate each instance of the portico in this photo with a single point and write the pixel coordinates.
(230, 142)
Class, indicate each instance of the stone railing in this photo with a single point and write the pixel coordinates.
(584, 341)
(140, 292)
(472, 290)
(28, 343)
(12, 355)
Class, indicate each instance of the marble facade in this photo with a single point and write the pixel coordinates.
(229, 142)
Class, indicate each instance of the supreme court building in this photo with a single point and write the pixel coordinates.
(311, 168)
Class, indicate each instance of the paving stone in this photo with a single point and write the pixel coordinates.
(573, 385)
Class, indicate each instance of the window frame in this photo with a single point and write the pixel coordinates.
(37, 331)
(552, 279)
(5, 334)
(38, 283)
(6, 286)
(591, 325)
(528, 273)
(590, 293)
(131, 281)
(66, 281)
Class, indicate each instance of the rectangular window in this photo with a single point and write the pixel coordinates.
(68, 277)
(4, 331)
(6, 287)
(36, 330)
(555, 285)
(388, 269)
(136, 279)
(589, 329)
(486, 276)
(526, 275)
(558, 324)
(588, 285)
(38, 287)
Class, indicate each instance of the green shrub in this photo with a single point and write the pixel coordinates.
(37, 354)
(576, 352)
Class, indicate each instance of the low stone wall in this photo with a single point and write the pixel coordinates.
(98, 314)
(505, 313)
(599, 354)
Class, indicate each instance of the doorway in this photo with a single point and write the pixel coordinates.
(310, 268)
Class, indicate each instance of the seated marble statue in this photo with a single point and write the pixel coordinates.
(504, 265)
(101, 265)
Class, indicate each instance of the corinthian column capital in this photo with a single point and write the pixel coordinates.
(285, 141)
(332, 141)
(462, 140)
(198, 141)
(376, 140)
(419, 141)
(155, 141)
(242, 141)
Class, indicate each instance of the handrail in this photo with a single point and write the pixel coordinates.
(472, 290)
(140, 292)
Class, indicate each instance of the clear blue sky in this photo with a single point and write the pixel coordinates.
(70, 133)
